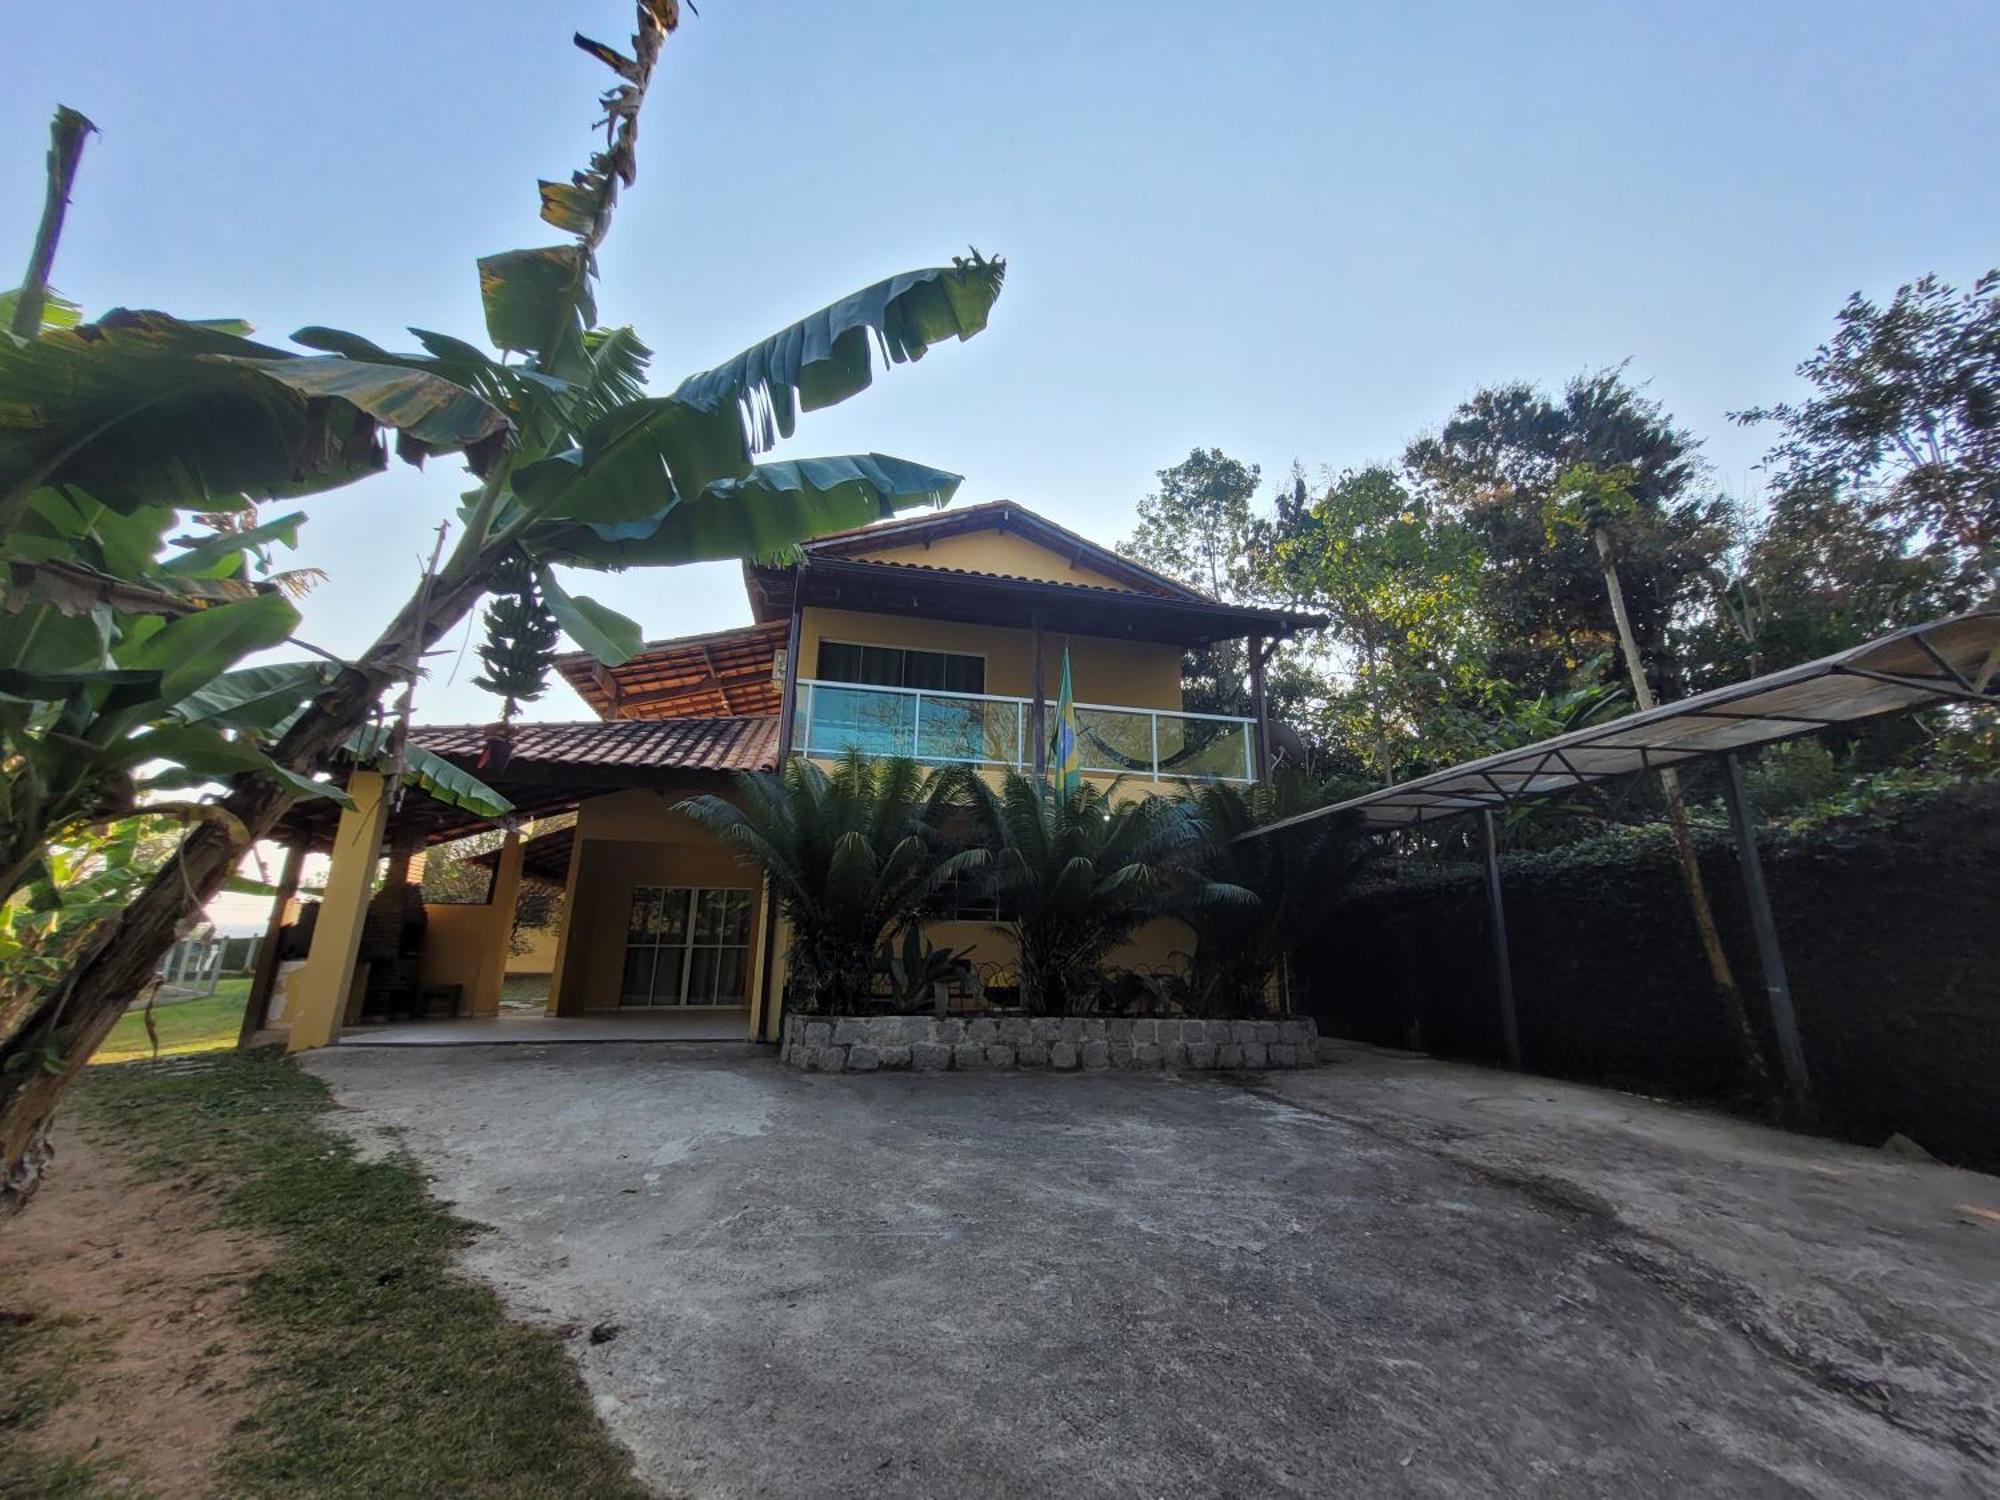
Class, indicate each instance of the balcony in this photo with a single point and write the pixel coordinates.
(979, 729)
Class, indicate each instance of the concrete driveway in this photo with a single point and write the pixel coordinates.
(1389, 1276)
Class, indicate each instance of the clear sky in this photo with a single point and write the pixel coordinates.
(1291, 230)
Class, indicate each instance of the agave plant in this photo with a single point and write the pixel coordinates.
(1297, 875)
(851, 853)
(1078, 872)
(916, 967)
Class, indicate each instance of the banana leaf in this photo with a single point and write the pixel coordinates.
(193, 649)
(825, 358)
(435, 776)
(771, 508)
(260, 698)
(424, 408)
(608, 636)
(200, 753)
(142, 409)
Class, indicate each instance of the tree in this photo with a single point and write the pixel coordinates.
(1599, 504)
(1400, 584)
(1886, 480)
(1494, 466)
(1199, 529)
(583, 472)
(117, 636)
(1075, 874)
(851, 855)
(1297, 874)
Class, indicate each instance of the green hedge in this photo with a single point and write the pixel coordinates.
(1890, 927)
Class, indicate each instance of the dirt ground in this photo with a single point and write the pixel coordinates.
(139, 1287)
(1388, 1276)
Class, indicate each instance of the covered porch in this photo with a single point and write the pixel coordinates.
(661, 935)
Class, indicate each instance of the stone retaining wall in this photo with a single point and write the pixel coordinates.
(865, 1044)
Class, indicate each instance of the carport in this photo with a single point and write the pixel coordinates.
(1953, 660)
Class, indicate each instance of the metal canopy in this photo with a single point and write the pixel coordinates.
(1946, 660)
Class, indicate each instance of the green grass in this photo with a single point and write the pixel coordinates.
(524, 992)
(389, 1373)
(205, 1025)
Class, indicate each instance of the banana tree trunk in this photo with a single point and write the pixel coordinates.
(43, 1056)
(1749, 1052)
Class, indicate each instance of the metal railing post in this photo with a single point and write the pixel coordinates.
(1156, 744)
(916, 723)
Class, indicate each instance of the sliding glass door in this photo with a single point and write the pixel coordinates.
(687, 945)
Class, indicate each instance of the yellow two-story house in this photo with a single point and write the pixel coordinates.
(941, 638)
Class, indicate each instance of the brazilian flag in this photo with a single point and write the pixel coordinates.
(1065, 748)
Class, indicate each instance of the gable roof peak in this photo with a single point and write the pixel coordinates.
(1002, 516)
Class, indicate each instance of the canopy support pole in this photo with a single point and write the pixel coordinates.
(1784, 1019)
(1503, 967)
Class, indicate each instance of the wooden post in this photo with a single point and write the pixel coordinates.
(1039, 725)
(788, 696)
(264, 976)
(1259, 649)
(1784, 1018)
(1503, 965)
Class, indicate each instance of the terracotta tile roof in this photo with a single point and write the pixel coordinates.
(748, 744)
(723, 674)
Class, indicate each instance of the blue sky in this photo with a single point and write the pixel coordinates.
(1288, 230)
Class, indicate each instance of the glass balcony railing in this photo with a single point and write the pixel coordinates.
(979, 729)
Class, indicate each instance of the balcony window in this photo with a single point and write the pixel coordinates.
(899, 667)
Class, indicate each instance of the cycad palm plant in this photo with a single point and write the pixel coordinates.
(1076, 874)
(1297, 875)
(852, 853)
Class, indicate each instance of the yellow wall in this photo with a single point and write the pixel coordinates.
(628, 839)
(1157, 945)
(993, 552)
(1120, 673)
(541, 955)
(467, 945)
(459, 943)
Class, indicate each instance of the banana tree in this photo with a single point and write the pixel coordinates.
(587, 471)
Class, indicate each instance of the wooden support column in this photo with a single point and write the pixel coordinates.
(1039, 719)
(264, 975)
(1777, 987)
(323, 984)
(1260, 649)
(1503, 965)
